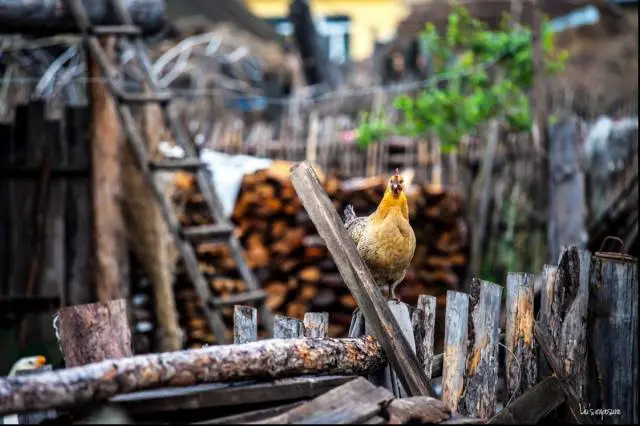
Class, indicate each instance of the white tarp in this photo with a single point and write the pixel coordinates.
(227, 171)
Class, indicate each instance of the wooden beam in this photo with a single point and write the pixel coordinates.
(245, 324)
(268, 358)
(107, 144)
(356, 275)
(227, 394)
(533, 405)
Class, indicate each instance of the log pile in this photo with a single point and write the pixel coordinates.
(291, 261)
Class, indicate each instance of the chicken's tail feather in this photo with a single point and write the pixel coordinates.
(349, 214)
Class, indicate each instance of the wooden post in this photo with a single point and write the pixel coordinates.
(316, 324)
(287, 328)
(110, 255)
(274, 358)
(482, 360)
(455, 348)
(567, 306)
(613, 330)
(94, 332)
(424, 324)
(359, 281)
(520, 360)
(567, 207)
(387, 377)
(245, 324)
(546, 297)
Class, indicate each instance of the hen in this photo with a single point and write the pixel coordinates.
(384, 239)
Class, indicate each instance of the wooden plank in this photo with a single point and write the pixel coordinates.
(455, 348)
(287, 328)
(482, 361)
(78, 240)
(572, 397)
(387, 377)
(418, 409)
(316, 324)
(613, 332)
(533, 405)
(359, 390)
(245, 324)
(520, 358)
(228, 394)
(267, 358)
(110, 257)
(351, 413)
(359, 281)
(546, 298)
(567, 326)
(425, 315)
(252, 416)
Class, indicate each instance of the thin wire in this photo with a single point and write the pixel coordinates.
(393, 88)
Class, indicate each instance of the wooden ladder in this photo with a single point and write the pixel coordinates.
(185, 239)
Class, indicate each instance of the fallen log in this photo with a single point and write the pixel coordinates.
(48, 17)
(257, 360)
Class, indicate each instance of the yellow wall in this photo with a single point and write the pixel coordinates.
(367, 18)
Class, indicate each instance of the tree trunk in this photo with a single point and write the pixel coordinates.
(110, 257)
(94, 332)
(271, 358)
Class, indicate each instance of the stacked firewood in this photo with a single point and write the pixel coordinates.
(291, 261)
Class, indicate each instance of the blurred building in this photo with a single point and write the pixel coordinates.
(350, 27)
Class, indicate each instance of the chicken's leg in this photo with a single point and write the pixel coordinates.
(392, 290)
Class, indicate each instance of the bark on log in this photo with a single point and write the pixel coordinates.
(47, 17)
(520, 358)
(259, 360)
(455, 348)
(94, 332)
(107, 143)
(613, 311)
(482, 360)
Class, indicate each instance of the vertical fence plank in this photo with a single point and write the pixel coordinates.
(613, 310)
(287, 328)
(424, 323)
(6, 186)
(455, 348)
(316, 324)
(78, 241)
(566, 311)
(548, 278)
(520, 361)
(245, 324)
(482, 359)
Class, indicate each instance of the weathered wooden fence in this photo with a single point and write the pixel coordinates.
(583, 295)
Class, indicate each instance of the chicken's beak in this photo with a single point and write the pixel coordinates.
(41, 361)
(396, 188)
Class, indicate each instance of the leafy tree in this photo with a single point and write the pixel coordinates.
(468, 91)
